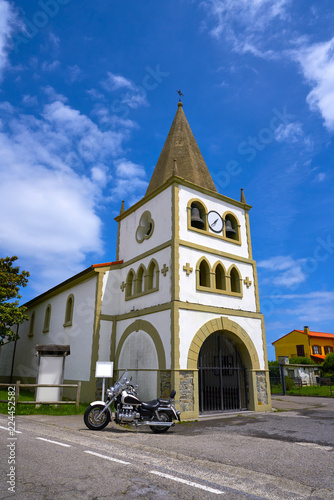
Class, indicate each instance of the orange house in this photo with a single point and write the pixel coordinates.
(314, 345)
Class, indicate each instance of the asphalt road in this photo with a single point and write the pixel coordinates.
(287, 454)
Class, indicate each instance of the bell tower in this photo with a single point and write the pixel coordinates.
(188, 313)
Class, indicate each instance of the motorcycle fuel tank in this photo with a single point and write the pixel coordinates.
(130, 399)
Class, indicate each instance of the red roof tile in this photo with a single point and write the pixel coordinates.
(108, 264)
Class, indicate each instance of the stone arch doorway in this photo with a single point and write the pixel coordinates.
(222, 378)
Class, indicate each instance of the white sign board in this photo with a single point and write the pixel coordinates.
(104, 369)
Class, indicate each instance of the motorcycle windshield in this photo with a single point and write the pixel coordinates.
(121, 382)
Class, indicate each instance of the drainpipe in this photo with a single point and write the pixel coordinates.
(12, 369)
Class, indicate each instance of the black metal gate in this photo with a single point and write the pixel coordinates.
(221, 375)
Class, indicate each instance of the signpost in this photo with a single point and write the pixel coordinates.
(104, 369)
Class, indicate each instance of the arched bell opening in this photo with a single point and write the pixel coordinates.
(222, 373)
(198, 215)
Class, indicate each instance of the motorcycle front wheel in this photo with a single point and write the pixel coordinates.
(92, 419)
(163, 417)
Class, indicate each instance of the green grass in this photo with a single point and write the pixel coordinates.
(23, 409)
(323, 390)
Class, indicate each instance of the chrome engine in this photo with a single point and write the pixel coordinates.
(128, 414)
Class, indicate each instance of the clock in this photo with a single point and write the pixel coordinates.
(215, 222)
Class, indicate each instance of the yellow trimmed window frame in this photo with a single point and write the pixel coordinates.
(216, 279)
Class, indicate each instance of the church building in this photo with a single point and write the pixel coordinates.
(179, 307)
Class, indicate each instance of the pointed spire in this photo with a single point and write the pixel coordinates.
(181, 156)
(242, 198)
(122, 208)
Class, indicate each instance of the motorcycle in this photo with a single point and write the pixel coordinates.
(129, 409)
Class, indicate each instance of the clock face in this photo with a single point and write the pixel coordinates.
(215, 222)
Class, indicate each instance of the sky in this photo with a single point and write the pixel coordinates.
(88, 95)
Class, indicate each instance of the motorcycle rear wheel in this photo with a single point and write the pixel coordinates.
(91, 418)
(164, 417)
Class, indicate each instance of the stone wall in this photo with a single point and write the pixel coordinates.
(261, 387)
(165, 384)
(186, 391)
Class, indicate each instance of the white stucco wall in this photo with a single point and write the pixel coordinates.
(192, 321)
(78, 336)
(188, 291)
(105, 340)
(161, 322)
(6, 357)
(160, 208)
(220, 206)
(114, 302)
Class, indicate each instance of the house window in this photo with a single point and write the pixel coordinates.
(220, 277)
(316, 349)
(328, 349)
(69, 310)
(47, 318)
(129, 287)
(231, 227)
(31, 325)
(235, 280)
(198, 215)
(204, 274)
(140, 279)
(300, 350)
(152, 275)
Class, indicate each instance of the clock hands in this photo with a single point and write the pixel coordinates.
(215, 222)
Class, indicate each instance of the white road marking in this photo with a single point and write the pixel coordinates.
(10, 430)
(189, 483)
(55, 442)
(108, 458)
(317, 446)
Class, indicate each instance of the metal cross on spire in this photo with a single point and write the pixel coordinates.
(180, 94)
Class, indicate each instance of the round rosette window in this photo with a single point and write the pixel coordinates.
(145, 228)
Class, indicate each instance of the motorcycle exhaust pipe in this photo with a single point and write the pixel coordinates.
(157, 423)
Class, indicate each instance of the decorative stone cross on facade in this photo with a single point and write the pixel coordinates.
(164, 270)
(123, 285)
(247, 282)
(187, 269)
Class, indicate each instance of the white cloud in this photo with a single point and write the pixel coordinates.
(8, 23)
(283, 271)
(50, 66)
(130, 181)
(317, 63)
(53, 173)
(132, 95)
(289, 133)
(310, 308)
(115, 82)
(320, 177)
(244, 22)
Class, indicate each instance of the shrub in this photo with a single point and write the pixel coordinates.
(289, 383)
(301, 360)
(328, 364)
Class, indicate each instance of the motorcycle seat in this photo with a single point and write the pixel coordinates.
(150, 405)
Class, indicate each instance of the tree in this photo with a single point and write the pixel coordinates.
(328, 364)
(10, 312)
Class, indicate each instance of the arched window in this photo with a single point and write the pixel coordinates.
(69, 310)
(140, 279)
(220, 277)
(204, 274)
(198, 215)
(31, 325)
(235, 280)
(129, 287)
(231, 227)
(47, 318)
(152, 275)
